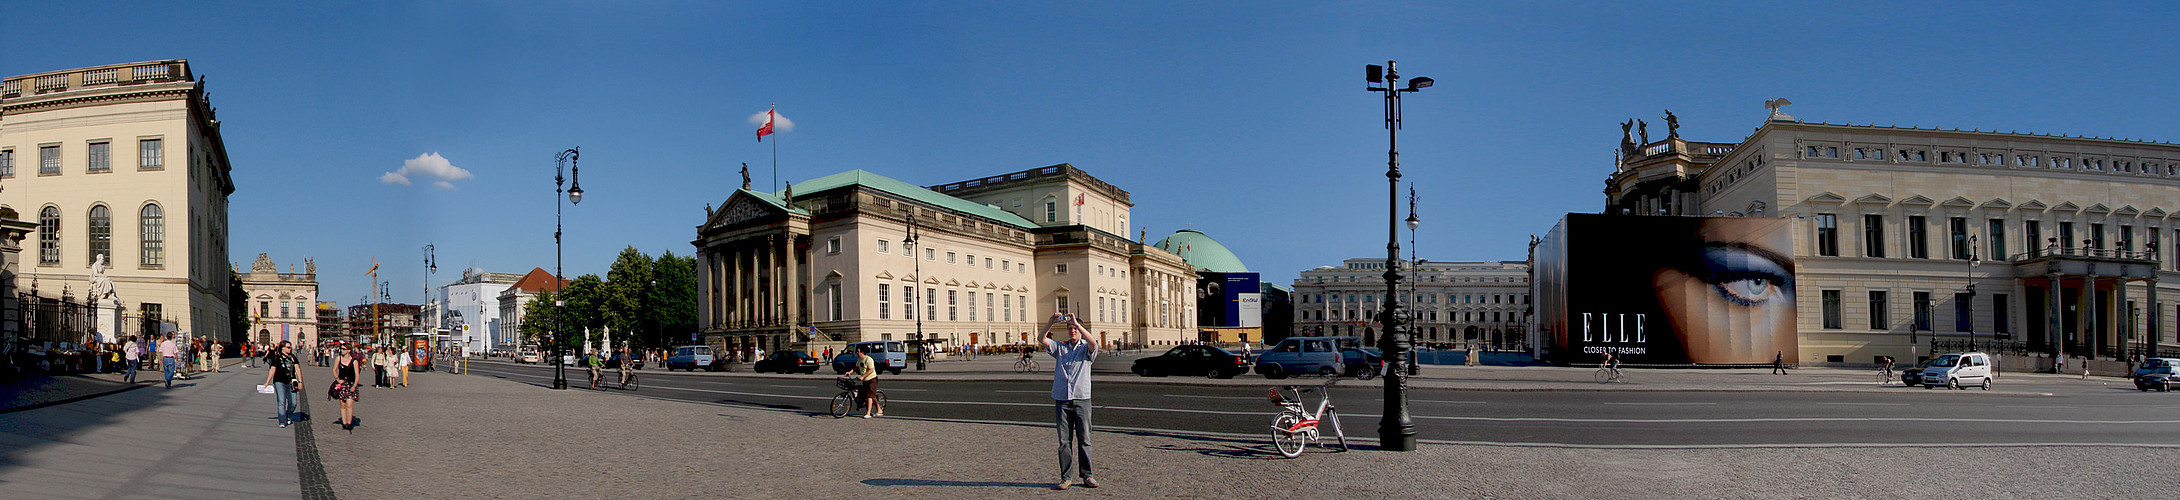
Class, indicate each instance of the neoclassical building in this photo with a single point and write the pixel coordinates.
(1912, 239)
(857, 256)
(283, 306)
(122, 162)
(1455, 303)
(472, 310)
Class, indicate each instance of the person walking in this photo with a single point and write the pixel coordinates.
(169, 357)
(1778, 363)
(1071, 397)
(130, 353)
(280, 373)
(345, 368)
(401, 366)
(866, 376)
(378, 368)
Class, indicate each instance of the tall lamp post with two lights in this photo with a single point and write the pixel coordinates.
(1396, 430)
(575, 197)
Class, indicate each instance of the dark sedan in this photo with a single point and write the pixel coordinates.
(1198, 360)
(787, 362)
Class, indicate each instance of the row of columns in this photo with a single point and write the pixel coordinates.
(2089, 324)
(755, 283)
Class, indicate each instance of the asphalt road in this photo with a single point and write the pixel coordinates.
(1907, 417)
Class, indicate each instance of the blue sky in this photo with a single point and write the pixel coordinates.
(1247, 121)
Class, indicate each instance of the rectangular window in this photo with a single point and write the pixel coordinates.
(151, 154)
(1997, 232)
(1831, 310)
(1059, 269)
(1918, 237)
(2096, 236)
(950, 257)
(930, 254)
(1052, 211)
(2032, 237)
(1999, 322)
(987, 307)
(987, 262)
(1059, 303)
(49, 160)
(1828, 235)
(7, 163)
(832, 292)
(885, 301)
(2127, 238)
(1958, 227)
(908, 302)
(931, 303)
(882, 247)
(969, 259)
(832, 245)
(1021, 307)
(264, 309)
(2066, 237)
(1873, 236)
(100, 158)
(1880, 318)
(283, 309)
(1964, 312)
(1922, 311)
(1006, 266)
(972, 306)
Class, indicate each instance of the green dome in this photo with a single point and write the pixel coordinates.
(1202, 252)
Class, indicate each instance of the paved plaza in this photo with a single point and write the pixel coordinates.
(480, 436)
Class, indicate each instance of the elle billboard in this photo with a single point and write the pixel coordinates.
(1664, 290)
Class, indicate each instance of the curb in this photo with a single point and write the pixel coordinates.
(127, 388)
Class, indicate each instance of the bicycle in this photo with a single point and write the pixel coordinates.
(1025, 365)
(849, 401)
(1608, 374)
(1296, 426)
(628, 380)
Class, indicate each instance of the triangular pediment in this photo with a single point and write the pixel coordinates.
(884, 275)
(2154, 212)
(2067, 206)
(951, 282)
(2127, 210)
(971, 284)
(2098, 209)
(834, 275)
(1999, 203)
(909, 278)
(2033, 205)
(1828, 197)
(1919, 200)
(1008, 288)
(745, 206)
(988, 286)
(1959, 201)
(931, 281)
(1873, 199)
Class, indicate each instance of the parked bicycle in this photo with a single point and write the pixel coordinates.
(1296, 426)
(1609, 374)
(850, 399)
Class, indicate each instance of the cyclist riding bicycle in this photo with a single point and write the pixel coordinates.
(1611, 361)
(1886, 364)
(628, 362)
(597, 370)
(866, 374)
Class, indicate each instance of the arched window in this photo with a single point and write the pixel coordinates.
(49, 235)
(154, 235)
(101, 234)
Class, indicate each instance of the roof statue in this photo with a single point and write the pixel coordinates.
(1773, 105)
(1643, 127)
(1672, 125)
(745, 175)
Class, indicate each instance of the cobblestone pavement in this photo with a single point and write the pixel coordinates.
(476, 436)
(211, 437)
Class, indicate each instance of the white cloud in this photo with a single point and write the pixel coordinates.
(427, 165)
(782, 125)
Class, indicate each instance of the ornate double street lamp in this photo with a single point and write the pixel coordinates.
(1396, 431)
(923, 349)
(575, 197)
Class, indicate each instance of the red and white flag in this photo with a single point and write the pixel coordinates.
(770, 116)
(1078, 200)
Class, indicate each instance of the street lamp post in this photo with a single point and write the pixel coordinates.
(1415, 315)
(1396, 431)
(1973, 260)
(575, 197)
(922, 348)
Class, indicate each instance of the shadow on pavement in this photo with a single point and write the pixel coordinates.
(1226, 451)
(970, 484)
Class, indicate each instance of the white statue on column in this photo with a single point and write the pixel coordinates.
(105, 305)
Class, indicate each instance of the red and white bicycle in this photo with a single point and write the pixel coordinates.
(1296, 426)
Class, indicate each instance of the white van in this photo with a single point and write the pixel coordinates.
(1958, 371)
(889, 355)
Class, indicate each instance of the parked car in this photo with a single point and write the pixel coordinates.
(614, 363)
(1192, 360)
(691, 358)
(1912, 377)
(2162, 378)
(788, 362)
(1361, 361)
(1305, 355)
(529, 357)
(889, 355)
(1958, 371)
(2152, 364)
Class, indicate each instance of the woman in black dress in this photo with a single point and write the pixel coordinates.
(344, 388)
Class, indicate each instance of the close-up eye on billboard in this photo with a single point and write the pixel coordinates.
(1665, 290)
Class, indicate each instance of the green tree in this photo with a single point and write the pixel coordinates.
(586, 319)
(674, 297)
(537, 319)
(238, 310)
(627, 290)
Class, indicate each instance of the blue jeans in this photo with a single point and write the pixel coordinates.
(129, 371)
(1072, 417)
(168, 364)
(283, 402)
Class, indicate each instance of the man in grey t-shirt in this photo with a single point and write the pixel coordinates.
(1071, 396)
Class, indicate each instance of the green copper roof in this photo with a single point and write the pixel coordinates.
(910, 191)
(1202, 251)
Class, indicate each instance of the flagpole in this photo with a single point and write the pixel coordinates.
(775, 149)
